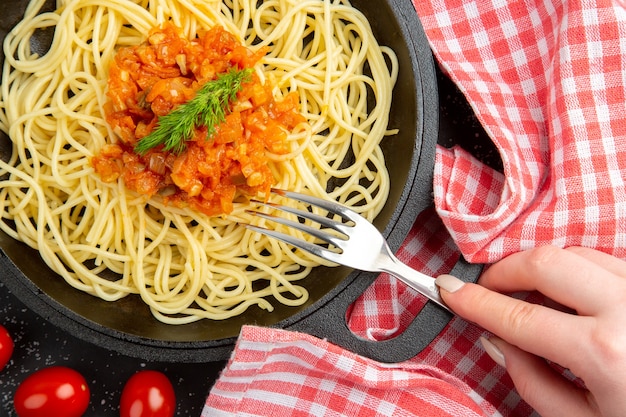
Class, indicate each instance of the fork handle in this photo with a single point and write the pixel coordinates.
(420, 282)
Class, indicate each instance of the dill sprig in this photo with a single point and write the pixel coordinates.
(208, 108)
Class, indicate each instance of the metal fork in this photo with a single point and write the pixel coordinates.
(358, 245)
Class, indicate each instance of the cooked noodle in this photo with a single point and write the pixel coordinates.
(110, 242)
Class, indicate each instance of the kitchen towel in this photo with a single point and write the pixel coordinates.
(547, 81)
(288, 374)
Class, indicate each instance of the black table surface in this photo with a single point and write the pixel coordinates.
(39, 344)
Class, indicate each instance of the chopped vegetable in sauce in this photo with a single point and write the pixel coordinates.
(207, 108)
(216, 163)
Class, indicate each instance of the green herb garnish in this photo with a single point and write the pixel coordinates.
(207, 108)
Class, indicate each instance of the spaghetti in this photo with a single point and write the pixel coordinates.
(110, 242)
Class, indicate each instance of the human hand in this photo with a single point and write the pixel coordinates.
(585, 333)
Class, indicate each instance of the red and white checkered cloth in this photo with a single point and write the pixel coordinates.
(279, 373)
(547, 80)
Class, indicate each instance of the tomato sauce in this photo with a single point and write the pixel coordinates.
(151, 79)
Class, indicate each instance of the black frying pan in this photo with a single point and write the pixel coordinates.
(127, 325)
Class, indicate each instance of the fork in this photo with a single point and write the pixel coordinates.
(358, 244)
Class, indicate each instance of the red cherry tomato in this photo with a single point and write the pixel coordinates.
(6, 347)
(55, 391)
(148, 394)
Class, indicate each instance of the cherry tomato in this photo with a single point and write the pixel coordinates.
(148, 394)
(6, 347)
(55, 391)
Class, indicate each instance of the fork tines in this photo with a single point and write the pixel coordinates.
(322, 234)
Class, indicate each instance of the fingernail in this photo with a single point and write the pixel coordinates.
(493, 351)
(449, 283)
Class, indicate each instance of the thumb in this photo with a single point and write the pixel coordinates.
(545, 389)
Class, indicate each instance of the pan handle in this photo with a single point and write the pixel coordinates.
(330, 322)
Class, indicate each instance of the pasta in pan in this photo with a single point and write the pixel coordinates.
(109, 241)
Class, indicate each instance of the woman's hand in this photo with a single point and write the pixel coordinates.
(585, 331)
